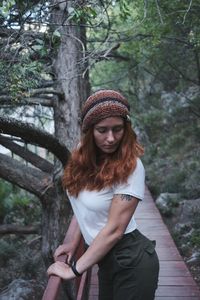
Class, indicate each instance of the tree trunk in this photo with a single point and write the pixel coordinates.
(55, 219)
(69, 66)
(72, 75)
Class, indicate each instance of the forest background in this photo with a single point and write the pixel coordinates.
(53, 55)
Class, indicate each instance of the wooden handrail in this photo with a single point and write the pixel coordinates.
(54, 283)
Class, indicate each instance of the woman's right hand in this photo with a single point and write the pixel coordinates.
(65, 249)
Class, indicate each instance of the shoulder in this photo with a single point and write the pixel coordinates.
(139, 169)
(135, 183)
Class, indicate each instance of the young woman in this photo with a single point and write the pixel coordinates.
(104, 180)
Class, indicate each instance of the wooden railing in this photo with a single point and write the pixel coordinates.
(81, 284)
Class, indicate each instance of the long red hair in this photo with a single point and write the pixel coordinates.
(88, 169)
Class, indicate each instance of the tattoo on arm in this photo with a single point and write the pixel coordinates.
(126, 197)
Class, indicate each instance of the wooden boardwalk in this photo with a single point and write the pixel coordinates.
(175, 280)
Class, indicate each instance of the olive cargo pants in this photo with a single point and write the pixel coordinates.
(130, 270)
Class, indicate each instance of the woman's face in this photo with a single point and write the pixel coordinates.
(108, 134)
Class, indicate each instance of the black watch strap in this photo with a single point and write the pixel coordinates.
(73, 267)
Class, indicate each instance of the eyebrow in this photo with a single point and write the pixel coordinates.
(110, 127)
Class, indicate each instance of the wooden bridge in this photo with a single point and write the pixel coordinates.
(175, 280)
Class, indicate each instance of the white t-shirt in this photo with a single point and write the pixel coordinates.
(91, 208)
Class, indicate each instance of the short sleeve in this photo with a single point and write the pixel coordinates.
(135, 184)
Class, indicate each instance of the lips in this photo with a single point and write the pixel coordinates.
(109, 146)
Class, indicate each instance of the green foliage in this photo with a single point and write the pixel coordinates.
(7, 250)
(196, 219)
(195, 238)
(29, 264)
(17, 206)
(6, 6)
(21, 77)
(5, 206)
(82, 14)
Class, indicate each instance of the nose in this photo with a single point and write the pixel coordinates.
(110, 136)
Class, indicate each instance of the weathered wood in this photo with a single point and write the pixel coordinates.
(54, 283)
(16, 229)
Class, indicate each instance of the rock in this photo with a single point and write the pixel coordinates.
(194, 259)
(188, 209)
(20, 289)
(166, 201)
(173, 100)
(182, 228)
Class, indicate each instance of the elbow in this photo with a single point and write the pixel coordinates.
(118, 234)
(115, 233)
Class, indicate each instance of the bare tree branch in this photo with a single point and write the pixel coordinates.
(26, 154)
(187, 11)
(45, 91)
(8, 100)
(16, 229)
(34, 181)
(33, 135)
(159, 12)
(174, 67)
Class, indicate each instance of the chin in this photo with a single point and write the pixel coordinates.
(109, 151)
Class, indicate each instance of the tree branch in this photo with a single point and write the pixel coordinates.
(16, 229)
(181, 73)
(33, 135)
(30, 179)
(26, 154)
(45, 91)
(8, 100)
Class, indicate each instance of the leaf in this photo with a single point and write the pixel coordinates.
(56, 33)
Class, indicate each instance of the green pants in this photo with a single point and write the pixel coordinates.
(130, 270)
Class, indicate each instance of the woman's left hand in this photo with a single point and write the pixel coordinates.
(61, 269)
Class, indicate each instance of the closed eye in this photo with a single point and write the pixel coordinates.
(118, 128)
(114, 129)
(101, 129)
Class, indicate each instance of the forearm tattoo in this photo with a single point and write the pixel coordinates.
(125, 197)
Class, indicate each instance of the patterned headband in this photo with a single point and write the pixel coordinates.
(103, 104)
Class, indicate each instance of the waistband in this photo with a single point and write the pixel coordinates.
(135, 234)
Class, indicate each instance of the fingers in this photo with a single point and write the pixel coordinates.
(69, 257)
(63, 249)
(60, 269)
(59, 251)
(55, 268)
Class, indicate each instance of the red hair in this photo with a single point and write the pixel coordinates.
(88, 169)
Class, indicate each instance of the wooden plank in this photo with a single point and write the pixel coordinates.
(181, 280)
(183, 291)
(169, 253)
(173, 268)
(149, 215)
(176, 298)
(94, 290)
(82, 284)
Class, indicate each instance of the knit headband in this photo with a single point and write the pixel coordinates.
(103, 104)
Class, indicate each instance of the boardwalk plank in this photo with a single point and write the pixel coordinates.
(169, 280)
(173, 269)
(175, 280)
(175, 298)
(181, 291)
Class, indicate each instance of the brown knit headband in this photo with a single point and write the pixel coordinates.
(103, 104)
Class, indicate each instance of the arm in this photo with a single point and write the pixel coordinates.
(121, 211)
(71, 241)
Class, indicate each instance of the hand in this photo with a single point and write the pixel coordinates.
(64, 249)
(62, 270)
